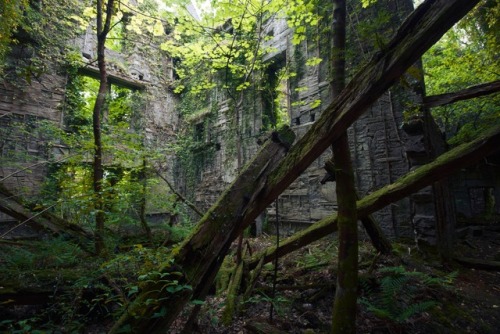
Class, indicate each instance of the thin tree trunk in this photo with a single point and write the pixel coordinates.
(103, 26)
(142, 210)
(346, 294)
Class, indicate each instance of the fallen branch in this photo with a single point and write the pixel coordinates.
(179, 196)
(41, 221)
(464, 94)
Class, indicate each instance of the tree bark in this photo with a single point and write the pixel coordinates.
(103, 27)
(220, 225)
(346, 292)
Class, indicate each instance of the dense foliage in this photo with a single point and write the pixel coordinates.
(467, 55)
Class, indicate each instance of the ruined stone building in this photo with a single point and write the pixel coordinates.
(382, 148)
(26, 148)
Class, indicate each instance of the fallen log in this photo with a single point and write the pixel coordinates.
(41, 219)
(464, 94)
(457, 158)
(201, 253)
(377, 237)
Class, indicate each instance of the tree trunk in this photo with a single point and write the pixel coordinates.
(237, 208)
(460, 157)
(103, 26)
(346, 293)
(142, 210)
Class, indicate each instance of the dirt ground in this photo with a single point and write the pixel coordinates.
(305, 290)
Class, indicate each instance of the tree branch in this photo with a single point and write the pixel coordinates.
(464, 94)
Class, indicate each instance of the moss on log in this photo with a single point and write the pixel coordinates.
(201, 254)
(461, 156)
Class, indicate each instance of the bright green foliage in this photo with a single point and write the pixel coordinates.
(43, 30)
(225, 47)
(366, 3)
(11, 14)
(123, 143)
(467, 55)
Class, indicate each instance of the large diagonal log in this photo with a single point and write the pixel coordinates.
(417, 34)
(199, 257)
(460, 157)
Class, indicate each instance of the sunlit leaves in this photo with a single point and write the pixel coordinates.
(300, 14)
(11, 14)
(367, 3)
(313, 61)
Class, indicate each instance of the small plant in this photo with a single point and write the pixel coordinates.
(399, 295)
(279, 303)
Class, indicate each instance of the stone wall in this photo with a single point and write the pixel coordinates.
(43, 98)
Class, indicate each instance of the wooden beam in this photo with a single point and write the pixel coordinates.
(460, 157)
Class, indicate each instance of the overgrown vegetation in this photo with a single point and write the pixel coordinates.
(475, 41)
(221, 61)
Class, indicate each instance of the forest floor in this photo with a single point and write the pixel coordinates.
(454, 299)
(411, 291)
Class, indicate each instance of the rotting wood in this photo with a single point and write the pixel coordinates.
(201, 254)
(457, 158)
(11, 205)
(226, 219)
(464, 94)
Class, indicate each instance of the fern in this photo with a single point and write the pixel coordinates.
(397, 298)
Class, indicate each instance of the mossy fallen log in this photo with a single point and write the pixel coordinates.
(200, 255)
(457, 158)
(378, 238)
